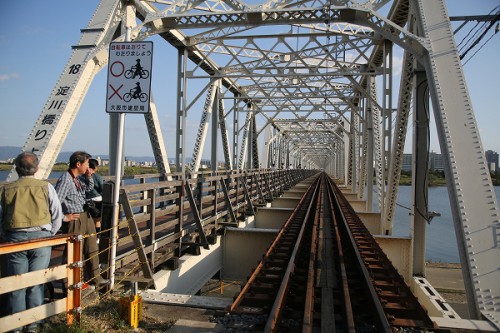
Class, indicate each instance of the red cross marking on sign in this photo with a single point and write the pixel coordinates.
(115, 92)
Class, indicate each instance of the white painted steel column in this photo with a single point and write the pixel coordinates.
(215, 126)
(116, 196)
(183, 116)
(473, 202)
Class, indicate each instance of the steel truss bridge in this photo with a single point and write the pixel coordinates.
(311, 83)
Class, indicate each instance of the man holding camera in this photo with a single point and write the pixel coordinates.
(72, 193)
(94, 197)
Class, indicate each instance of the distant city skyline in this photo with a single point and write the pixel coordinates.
(492, 160)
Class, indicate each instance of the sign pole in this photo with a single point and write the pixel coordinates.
(116, 194)
(128, 91)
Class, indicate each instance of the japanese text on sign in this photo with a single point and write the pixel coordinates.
(129, 77)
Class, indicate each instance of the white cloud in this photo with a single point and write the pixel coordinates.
(397, 64)
(6, 77)
(33, 31)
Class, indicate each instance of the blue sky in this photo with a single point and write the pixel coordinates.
(35, 43)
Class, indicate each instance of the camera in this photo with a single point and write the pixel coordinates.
(92, 209)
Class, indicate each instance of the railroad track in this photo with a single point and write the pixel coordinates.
(325, 272)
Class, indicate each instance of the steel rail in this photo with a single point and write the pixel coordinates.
(347, 306)
(326, 273)
(395, 304)
(379, 310)
(326, 270)
(308, 318)
(277, 308)
(274, 245)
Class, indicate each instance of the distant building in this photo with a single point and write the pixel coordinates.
(406, 165)
(205, 164)
(492, 160)
(436, 162)
(130, 163)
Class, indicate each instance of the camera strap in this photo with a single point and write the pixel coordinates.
(77, 183)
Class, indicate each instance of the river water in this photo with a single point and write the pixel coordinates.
(441, 244)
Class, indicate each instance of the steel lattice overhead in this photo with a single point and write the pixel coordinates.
(298, 74)
(280, 60)
(289, 60)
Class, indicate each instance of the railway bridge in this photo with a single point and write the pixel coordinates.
(287, 92)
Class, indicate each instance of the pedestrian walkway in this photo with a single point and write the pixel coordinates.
(448, 281)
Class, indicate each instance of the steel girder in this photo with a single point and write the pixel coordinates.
(210, 101)
(352, 169)
(377, 146)
(400, 128)
(224, 135)
(363, 159)
(48, 135)
(244, 140)
(255, 148)
(369, 155)
(473, 201)
(156, 139)
(295, 63)
(266, 158)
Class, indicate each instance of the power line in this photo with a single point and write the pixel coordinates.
(474, 36)
(496, 30)
(467, 35)
(492, 23)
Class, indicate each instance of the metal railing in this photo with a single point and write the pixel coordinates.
(70, 271)
(161, 220)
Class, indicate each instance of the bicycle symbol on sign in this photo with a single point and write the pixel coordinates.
(135, 93)
(137, 70)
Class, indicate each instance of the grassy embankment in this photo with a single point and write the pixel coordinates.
(435, 178)
(102, 170)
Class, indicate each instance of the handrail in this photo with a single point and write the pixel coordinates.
(70, 304)
(220, 198)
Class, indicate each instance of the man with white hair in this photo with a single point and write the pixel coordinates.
(29, 209)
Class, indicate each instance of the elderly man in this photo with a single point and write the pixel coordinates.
(30, 208)
(72, 191)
